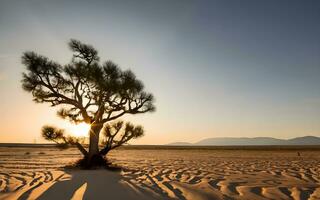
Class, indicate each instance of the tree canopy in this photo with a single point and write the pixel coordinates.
(93, 92)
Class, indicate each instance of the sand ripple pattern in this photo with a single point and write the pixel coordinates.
(175, 174)
(222, 174)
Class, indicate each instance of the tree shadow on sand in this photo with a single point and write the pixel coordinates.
(91, 184)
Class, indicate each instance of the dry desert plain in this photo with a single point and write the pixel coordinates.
(153, 172)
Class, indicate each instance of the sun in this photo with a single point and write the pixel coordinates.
(80, 130)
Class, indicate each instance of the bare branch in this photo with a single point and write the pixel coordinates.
(117, 134)
(58, 136)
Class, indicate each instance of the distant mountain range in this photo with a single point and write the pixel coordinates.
(245, 141)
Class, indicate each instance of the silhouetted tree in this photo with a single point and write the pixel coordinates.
(89, 92)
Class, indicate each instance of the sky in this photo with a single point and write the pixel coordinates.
(222, 68)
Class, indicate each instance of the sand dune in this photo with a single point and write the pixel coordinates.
(162, 174)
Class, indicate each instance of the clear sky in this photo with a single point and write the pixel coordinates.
(217, 68)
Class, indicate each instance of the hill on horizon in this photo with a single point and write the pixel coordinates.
(234, 141)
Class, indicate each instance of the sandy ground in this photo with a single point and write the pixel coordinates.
(38, 173)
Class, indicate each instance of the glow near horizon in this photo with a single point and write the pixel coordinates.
(216, 68)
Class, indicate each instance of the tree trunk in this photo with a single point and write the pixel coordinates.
(94, 142)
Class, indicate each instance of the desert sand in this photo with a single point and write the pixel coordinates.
(39, 173)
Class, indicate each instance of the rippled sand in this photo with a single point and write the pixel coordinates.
(29, 173)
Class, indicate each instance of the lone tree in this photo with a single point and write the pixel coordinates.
(90, 92)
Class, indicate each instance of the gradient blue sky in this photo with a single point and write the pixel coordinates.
(217, 68)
